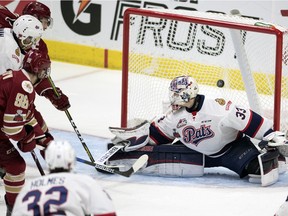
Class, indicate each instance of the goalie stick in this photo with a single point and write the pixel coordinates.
(109, 153)
(133, 169)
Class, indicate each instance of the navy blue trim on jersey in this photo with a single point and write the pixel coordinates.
(268, 132)
(254, 124)
(199, 100)
(158, 136)
(1, 32)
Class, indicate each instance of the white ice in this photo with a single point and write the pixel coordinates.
(95, 96)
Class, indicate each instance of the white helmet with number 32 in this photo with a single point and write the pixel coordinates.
(28, 30)
(60, 155)
(182, 89)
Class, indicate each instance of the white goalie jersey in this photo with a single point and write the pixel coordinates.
(211, 126)
(63, 194)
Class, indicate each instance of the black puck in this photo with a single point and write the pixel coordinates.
(220, 83)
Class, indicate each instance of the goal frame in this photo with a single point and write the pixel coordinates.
(204, 21)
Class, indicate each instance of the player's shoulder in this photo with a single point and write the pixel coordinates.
(17, 81)
(7, 33)
(6, 12)
(218, 100)
(7, 17)
(75, 176)
(218, 103)
(7, 40)
(86, 180)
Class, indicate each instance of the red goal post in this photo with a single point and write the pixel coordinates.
(248, 56)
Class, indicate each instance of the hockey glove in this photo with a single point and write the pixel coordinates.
(28, 143)
(277, 140)
(61, 102)
(43, 142)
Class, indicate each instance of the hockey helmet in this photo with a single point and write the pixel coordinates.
(28, 30)
(60, 155)
(37, 62)
(182, 89)
(40, 11)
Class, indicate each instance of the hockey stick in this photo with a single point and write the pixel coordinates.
(35, 158)
(73, 123)
(109, 153)
(133, 169)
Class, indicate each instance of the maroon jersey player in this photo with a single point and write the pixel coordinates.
(17, 120)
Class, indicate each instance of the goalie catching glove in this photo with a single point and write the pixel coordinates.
(60, 101)
(131, 138)
(276, 139)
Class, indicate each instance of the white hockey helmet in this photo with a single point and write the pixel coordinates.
(60, 155)
(182, 89)
(28, 29)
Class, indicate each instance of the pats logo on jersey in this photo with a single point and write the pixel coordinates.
(194, 135)
(27, 86)
(181, 123)
(221, 101)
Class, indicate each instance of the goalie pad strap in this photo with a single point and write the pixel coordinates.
(165, 160)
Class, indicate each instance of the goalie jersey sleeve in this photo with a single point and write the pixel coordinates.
(214, 124)
(63, 194)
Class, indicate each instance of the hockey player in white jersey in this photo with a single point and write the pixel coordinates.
(27, 31)
(211, 132)
(62, 192)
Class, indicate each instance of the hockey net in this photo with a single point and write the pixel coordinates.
(248, 56)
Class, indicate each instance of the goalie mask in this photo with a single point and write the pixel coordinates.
(182, 89)
(60, 156)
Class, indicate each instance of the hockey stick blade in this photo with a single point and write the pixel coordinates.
(133, 169)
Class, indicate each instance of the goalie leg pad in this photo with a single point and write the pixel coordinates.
(268, 172)
(283, 164)
(164, 160)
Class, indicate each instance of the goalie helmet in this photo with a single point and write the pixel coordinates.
(28, 30)
(37, 62)
(182, 89)
(60, 155)
(40, 11)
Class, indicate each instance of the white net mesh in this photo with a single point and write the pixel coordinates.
(245, 60)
